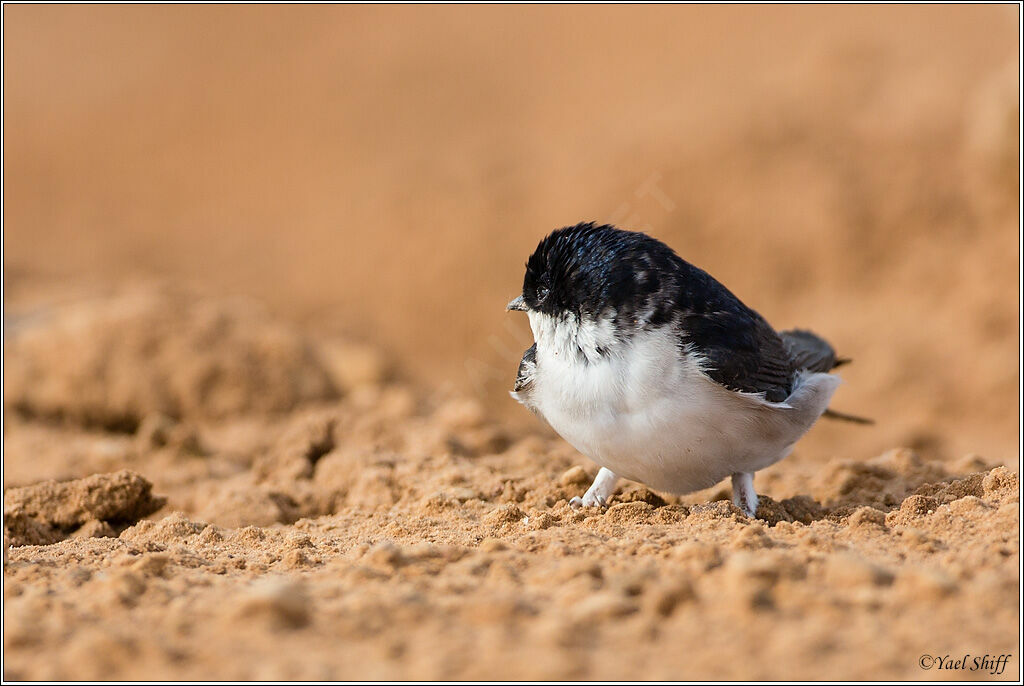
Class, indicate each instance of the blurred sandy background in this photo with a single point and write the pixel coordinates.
(377, 177)
(387, 170)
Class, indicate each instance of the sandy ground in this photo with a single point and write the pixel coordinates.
(256, 359)
(266, 506)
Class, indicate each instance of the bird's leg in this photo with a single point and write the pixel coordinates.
(599, 492)
(743, 494)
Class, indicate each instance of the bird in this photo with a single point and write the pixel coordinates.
(654, 370)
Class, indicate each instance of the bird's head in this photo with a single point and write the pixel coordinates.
(588, 270)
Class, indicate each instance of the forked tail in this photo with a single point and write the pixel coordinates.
(813, 353)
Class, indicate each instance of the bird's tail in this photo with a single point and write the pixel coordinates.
(843, 417)
(813, 353)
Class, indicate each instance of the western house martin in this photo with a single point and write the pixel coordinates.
(657, 372)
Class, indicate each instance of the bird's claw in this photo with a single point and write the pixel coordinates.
(588, 500)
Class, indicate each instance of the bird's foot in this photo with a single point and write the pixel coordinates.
(599, 492)
(589, 500)
(743, 494)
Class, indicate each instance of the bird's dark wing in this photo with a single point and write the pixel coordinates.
(741, 351)
(527, 366)
(810, 351)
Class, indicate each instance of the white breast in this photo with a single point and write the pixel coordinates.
(645, 410)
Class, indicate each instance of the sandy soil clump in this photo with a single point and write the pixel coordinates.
(93, 506)
(112, 362)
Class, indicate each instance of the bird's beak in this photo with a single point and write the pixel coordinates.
(518, 305)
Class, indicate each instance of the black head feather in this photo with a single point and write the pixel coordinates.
(586, 269)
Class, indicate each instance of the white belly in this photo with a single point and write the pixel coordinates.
(650, 415)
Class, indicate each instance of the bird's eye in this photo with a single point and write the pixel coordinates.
(542, 292)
